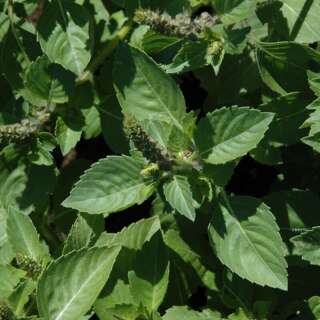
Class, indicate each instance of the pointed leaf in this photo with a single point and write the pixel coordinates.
(179, 313)
(246, 238)
(145, 91)
(110, 185)
(23, 236)
(229, 133)
(85, 230)
(71, 284)
(64, 33)
(307, 245)
(178, 193)
(132, 237)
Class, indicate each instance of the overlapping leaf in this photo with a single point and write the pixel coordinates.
(246, 238)
(101, 191)
(70, 296)
(229, 133)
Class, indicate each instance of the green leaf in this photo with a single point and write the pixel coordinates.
(314, 82)
(112, 184)
(302, 20)
(64, 33)
(177, 313)
(21, 295)
(190, 258)
(246, 238)
(233, 11)
(47, 83)
(23, 236)
(85, 230)
(229, 133)
(145, 91)
(313, 141)
(70, 296)
(314, 305)
(277, 60)
(178, 193)
(67, 137)
(132, 237)
(150, 276)
(192, 55)
(290, 113)
(307, 245)
(10, 278)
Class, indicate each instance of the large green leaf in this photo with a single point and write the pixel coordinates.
(150, 276)
(178, 193)
(110, 185)
(71, 284)
(145, 91)
(23, 236)
(64, 33)
(246, 238)
(229, 133)
(307, 245)
(302, 19)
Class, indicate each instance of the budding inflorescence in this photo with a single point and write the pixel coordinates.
(5, 311)
(17, 132)
(182, 25)
(145, 144)
(29, 265)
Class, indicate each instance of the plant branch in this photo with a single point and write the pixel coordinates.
(104, 53)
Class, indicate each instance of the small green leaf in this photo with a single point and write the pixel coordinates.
(112, 184)
(307, 245)
(246, 238)
(67, 137)
(9, 278)
(178, 193)
(85, 230)
(71, 284)
(64, 33)
(229, 133)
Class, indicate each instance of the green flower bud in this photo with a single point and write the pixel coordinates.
(144, 143)
(181, 25)
(17, 132)
(5, 312)
(27, 264)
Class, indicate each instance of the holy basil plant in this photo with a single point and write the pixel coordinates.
(159, 160)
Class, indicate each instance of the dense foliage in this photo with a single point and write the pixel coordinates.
(159, 159)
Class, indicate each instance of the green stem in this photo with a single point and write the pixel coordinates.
(48, 235)
(14, 31)
(104, 53)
